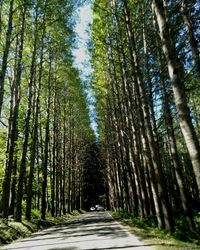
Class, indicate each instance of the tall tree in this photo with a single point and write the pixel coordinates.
(176, 73)
(14, 116)
(6, 53)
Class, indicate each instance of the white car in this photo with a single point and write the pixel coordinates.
(100, 208)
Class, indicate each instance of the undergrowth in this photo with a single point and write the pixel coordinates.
(11, 230)
(147, 230)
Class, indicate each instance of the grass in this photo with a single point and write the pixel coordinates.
(158, 239)
(11, 230)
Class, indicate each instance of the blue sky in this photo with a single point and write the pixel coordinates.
(80, 53)
(82, 57)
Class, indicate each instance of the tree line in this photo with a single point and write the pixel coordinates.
(44, 119)
(145, 56)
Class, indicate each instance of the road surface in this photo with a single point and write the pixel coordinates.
(89, 231)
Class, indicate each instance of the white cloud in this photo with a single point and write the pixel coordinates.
(85, 18)
(82, 58)
(79, 55)
(86, 14)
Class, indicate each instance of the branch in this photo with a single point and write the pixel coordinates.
(5, 125)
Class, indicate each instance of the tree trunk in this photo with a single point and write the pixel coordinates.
(6, 53)
(33, 146)
(22, 171)
(46, 148)
(64, 163)
(176, 73)
(192, 39)
(174, 151)
(1, 7)
(139, 87)
(13, 135)
(54, 159)
(13, 187)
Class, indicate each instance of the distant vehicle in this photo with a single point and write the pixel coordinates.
(97, 208)
(100, 208)
(92, 209)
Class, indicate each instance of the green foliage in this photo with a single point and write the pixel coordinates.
(149, 221)
(181, 231)
(75, 212)
(197, 221)
(3, 135)
(47, 64)
(20, 229)
(137, 110)
(31, 226)
(36, 214)
(12, 231)
(147, 229)
(15, 230)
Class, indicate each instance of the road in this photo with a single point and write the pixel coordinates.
(89, 231)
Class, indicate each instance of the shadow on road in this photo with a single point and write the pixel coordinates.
(92, 231)
(83, 226)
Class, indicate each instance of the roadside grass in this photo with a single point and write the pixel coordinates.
(158, 239)
(11, 230)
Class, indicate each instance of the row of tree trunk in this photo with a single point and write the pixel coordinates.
(151, 140)
(43, 111)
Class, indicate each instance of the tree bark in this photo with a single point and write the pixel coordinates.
(20, 189)
(33, 146)
(46, 147)
(6, 53)
(191, 36)
(176, 73)
(1, 8)
(13, 135)
(54, 160)
(139, 87)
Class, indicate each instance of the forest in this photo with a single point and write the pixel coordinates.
(145, 158)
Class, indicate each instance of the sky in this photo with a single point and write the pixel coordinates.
(82, 57)
(83, 21)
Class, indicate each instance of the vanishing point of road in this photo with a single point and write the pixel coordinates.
(90, 231)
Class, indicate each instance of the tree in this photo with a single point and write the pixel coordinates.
(176, 73)
(137, 111)
(6, 52)
(13, 136)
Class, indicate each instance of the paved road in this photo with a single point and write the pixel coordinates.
(90, 231)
